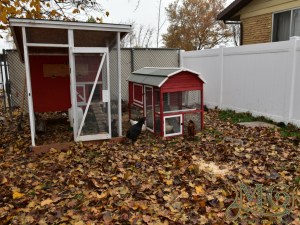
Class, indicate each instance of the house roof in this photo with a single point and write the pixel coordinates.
(229, 12)
(156, 76)
(55, 33)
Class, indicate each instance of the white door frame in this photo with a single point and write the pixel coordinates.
(29, 88)
(145, 106)
(78, 127)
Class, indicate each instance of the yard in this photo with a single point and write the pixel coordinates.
(156, 181)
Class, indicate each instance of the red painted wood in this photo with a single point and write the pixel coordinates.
(202, 107)
(49, 94)
(161, 114)
(129, 99)
(138, 93)
(182, 81)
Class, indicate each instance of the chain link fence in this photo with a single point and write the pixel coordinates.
(137, 58)
(16, 70)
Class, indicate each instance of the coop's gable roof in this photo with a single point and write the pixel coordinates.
(155, 76)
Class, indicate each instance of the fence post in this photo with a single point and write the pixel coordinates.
(221, 74)
(132, 59)
(181, 58)
(290, 86)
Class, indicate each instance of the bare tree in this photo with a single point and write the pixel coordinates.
(140, 37)
(236, 33)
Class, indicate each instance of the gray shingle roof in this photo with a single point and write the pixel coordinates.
(155, 76)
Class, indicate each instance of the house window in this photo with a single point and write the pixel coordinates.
(285, 25)
(296, 23)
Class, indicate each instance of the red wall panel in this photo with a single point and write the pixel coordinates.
(49, 94)
(181, 82)
(138, 94)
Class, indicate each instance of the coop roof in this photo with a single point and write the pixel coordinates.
(154, 76)
(51, 36)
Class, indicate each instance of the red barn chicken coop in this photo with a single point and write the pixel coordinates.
(168, 97)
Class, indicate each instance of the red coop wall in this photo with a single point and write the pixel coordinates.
(181, 82)
(50, 92)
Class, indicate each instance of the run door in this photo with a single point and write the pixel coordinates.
(92, 94)
(149, 110)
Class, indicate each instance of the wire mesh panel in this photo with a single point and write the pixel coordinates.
(114, 91)
(155, 58)
(196, 118)
(126, 69)
(185, 103)
(94, 82)
(181, 101)
(192, 99)
(16, 71)
(136, 112)
(137, 58)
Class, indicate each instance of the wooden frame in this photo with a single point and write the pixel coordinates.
(137, 102)
(145, 106)
(70, 27)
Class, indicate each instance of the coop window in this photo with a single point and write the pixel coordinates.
(138, 94)
(181, 101)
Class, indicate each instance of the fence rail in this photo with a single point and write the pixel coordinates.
(263, 79)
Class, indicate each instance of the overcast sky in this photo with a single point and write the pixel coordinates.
(124, 11)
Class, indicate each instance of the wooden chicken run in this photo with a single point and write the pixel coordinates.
(168, 97)
(68, 69)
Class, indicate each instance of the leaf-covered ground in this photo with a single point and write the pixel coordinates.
(156, 181)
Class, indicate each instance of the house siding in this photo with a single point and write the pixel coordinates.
(257, 29)
(256, 18)
(262, 7)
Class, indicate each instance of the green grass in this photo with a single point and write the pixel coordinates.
(232, 116)
(288, 130)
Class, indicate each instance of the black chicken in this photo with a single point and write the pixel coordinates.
(135, 130)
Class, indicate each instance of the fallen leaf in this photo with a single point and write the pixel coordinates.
(17, 195)
(4, 180)
(184, 194)
(46, 202)
(107, 217)
(199, 190)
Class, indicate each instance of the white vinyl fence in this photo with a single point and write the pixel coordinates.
(263, 79)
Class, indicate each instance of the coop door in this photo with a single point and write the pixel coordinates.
(172, 125)
(92, 96)
(149, 112)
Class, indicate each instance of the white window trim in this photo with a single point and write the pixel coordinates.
(135, 100)
(291, 22)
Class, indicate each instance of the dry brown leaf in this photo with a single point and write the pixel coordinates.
(46, 202)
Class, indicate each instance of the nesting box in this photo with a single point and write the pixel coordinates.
(168, 97)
